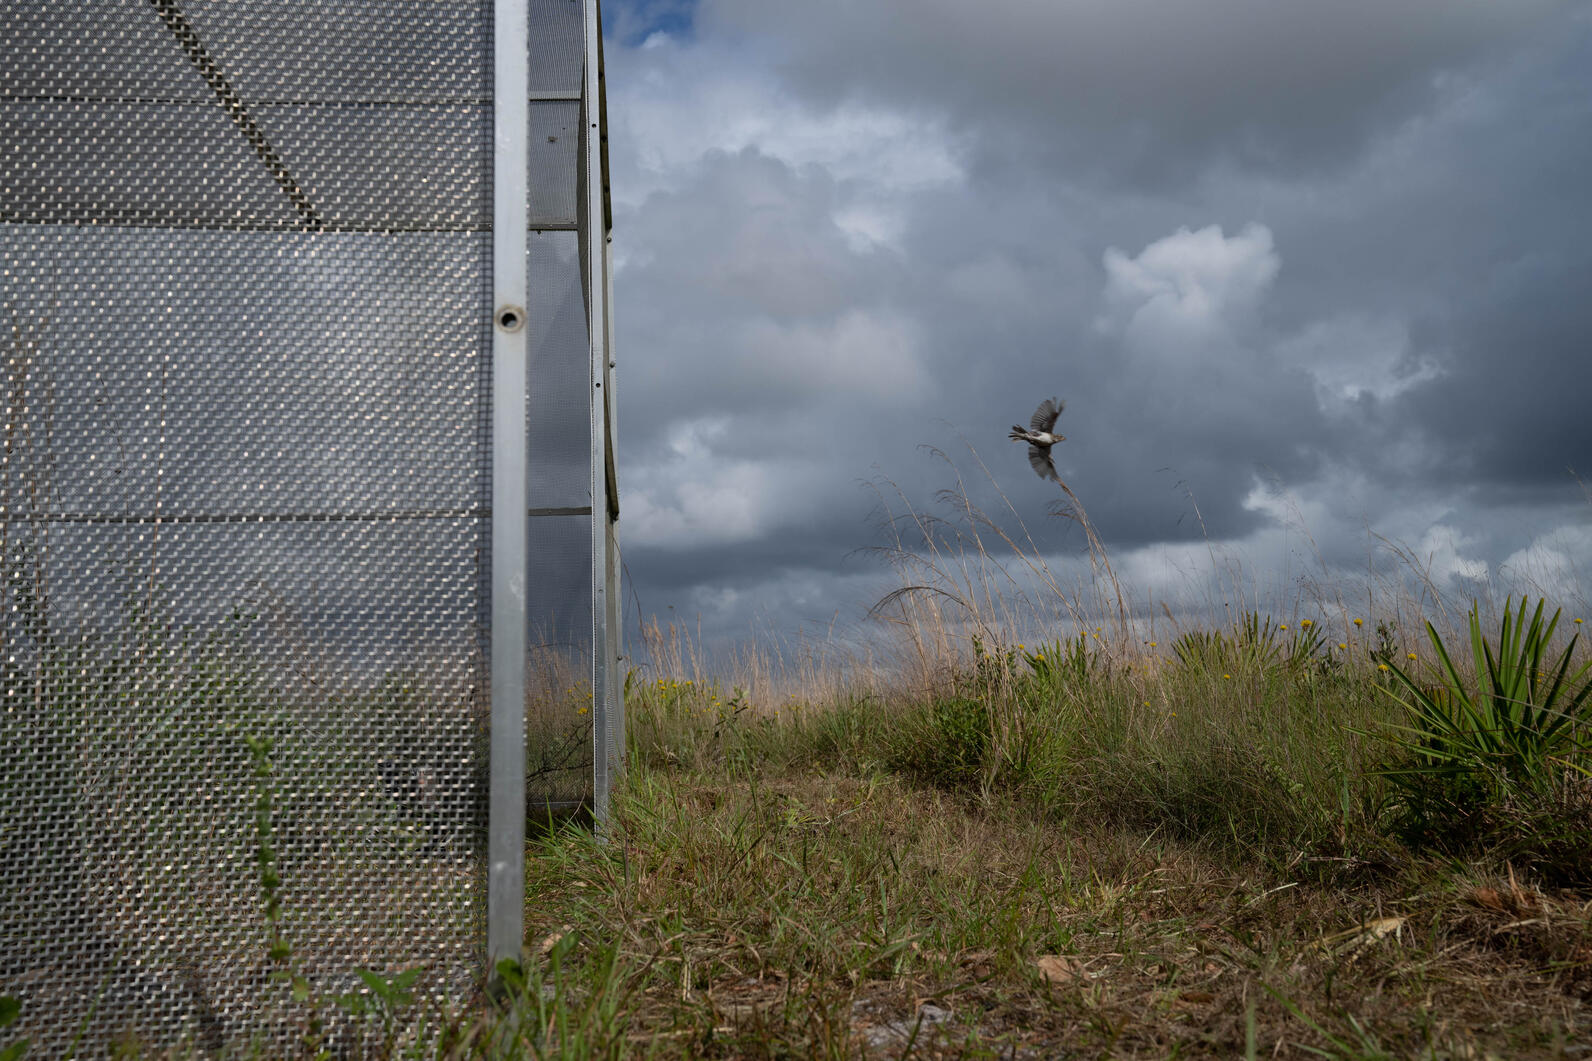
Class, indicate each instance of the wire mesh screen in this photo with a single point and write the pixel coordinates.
(560, 712)
(245, 560)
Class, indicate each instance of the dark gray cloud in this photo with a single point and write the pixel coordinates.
(1141, 90)
(1340, 295)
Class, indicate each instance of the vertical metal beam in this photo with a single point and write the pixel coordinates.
(594, 255)
(616, 626)
(510, 181)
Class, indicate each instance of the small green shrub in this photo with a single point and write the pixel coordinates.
(10, 1010)
(1204, 651)
(1058, 665)
(1492, 758)
(1255, 646)
(945, 743)
(1517, 722)
(571, 1009)
(1216, 788)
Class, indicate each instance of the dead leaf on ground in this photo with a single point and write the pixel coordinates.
(1360, 936)
(552, 941)
(1061, 970)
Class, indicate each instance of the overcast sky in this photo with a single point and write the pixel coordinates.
(1322, 269)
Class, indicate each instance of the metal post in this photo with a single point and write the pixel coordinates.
(510, 179)
(616, 628)
(594, 230)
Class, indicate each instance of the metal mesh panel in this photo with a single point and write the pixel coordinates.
(558, 48)
(245, 275)
(560, 711)
(558, 427)
(555, 139)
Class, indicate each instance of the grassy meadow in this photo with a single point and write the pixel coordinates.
(1026, 827)
(1274, 839)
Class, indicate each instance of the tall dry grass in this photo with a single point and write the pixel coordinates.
(997, 664)
(966, 575)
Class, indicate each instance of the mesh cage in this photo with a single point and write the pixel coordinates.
(246, 566)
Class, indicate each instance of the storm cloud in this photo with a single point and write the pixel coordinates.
(1311, 278)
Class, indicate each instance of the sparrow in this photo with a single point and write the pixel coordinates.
(1040, 438)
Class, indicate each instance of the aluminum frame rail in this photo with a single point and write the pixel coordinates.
(596, 221)
(506, 875)
(510, 235)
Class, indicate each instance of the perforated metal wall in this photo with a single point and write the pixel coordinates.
(246, 570)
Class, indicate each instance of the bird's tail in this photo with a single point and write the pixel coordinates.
(1017, 434)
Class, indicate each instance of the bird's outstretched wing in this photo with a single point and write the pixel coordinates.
(1046, 415)
(1039, 460)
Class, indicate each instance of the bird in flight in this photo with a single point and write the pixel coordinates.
(1040, 437)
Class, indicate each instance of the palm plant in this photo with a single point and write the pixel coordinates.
(1062, 663)
(1519, 721)
(1256, 645)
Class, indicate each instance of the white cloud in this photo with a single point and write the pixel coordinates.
(1440, 555)
(1551, 564)
(862, 352)
(693, 99)
(1288, 508)
(700, 488)
(694, 439)
(697, 492)
(869, 225)
(1353, 355)
(715, 598)
(715, 502)
(1187, 288)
